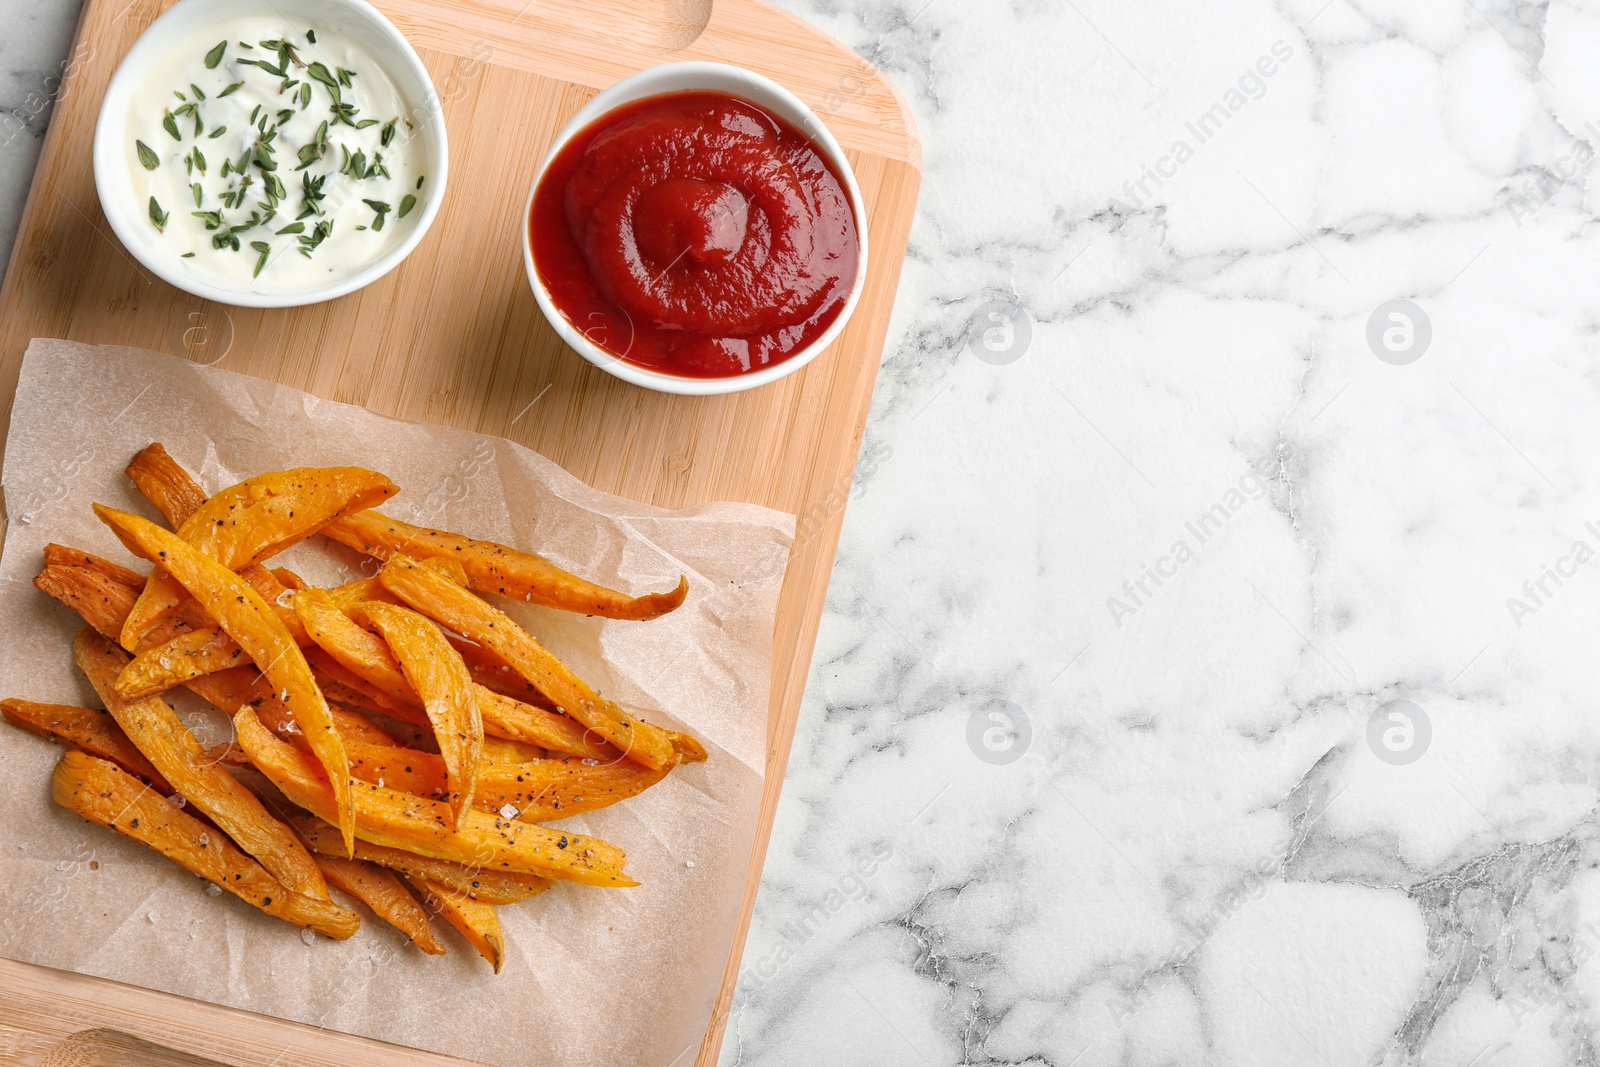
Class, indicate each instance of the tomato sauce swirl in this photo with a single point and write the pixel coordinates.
(695, 234)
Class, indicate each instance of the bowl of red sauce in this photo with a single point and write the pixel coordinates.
(696, 229)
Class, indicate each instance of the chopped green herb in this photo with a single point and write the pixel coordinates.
(198, 194)
(147, 156)
(171, 125)
(407, 202)
(254, 113)
(158, 216)
(312, 192)
(387, 133)
(230, 90)
(265, 250)
(199, 158)
(319, 71)
(214, 56)
(187, 255)
(382, 210)
(345, 76)
(420, 178)
(212, 219)
(293, 227)
(305, 95)
(218, 132)
(319, 234)
(311, 35)
(198, 95)
(225, 240)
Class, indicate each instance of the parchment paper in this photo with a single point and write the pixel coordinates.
(593, 976)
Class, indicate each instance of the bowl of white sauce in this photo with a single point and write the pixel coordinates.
(270, 153)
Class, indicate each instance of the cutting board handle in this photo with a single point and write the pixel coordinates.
(686, 20)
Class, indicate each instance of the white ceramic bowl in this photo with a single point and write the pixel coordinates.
(763, 92)
(128, 212)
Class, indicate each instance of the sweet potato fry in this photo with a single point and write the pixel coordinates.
(195, 653)
(192, 654)
(400, 820)
(104, 793)
(480, 883)
(155, 728)
(499, 676)
(96, 732)
(355, 649)
(437, 674)
(516, 721)
(240, 610)
(366, 667)
(102, 592)
(231, 689)
(496, 568)
(166, 484)
(539, 790)
(475, 920)
(257, 518)
(383, 892)
(359, 589)
(62, 556)
(349, 688)
(99, 599)
(501, 750)
(227, 754)
(104, 604)
(477, 620)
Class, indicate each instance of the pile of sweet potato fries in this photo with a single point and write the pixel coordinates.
(397, 737)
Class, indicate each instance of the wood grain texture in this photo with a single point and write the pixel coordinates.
(453, 336)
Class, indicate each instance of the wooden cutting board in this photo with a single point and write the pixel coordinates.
(453, 336)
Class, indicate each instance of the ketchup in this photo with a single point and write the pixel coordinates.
(695, 234)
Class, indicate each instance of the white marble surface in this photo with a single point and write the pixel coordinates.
(1197, 855)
